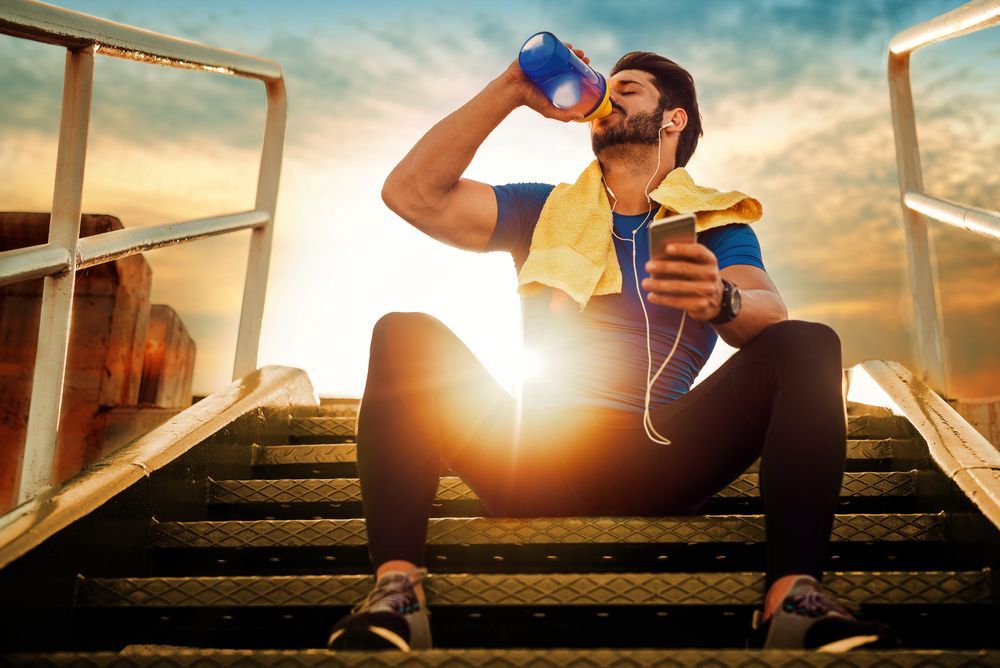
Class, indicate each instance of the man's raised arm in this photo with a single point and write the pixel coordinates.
(427, 189)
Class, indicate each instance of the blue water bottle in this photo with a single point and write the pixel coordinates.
(567, 81)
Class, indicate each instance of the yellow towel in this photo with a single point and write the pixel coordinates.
(572, 249)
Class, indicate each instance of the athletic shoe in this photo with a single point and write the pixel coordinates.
(809, 619)
(390, 617)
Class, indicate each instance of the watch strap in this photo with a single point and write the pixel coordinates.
(726, 309)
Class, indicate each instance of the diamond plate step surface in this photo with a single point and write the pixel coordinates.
(574, 589)
(919, 527)
(310, 429)
(451, 488)
(315, 428)
(178, 657)
(342, 458)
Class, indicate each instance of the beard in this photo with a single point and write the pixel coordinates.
(639, 128)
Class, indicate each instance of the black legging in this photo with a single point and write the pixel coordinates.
(429, 400)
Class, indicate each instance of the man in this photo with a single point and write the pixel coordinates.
(576, 446)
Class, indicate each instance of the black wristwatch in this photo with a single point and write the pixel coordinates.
(730, 303)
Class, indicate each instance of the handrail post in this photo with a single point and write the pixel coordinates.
(970, 17)
(258, 258)
(923, 278)
(57, 294)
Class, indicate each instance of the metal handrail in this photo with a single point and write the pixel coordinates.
(980, 221)
(117, 244)
(961, 452)
(24, 264)
(65, 253)
(41, 22)
(917, 205)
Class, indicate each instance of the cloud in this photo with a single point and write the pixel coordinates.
(796, 112)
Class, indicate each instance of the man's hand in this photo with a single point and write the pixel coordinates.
(688, 279)
(530, 96)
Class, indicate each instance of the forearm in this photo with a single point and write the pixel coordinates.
(759, 309)
(436, 163)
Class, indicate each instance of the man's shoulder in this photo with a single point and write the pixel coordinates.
(526, 189)
(734, 243)
(523, 200)
(728, 229)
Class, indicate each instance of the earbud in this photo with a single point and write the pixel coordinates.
(667, 125)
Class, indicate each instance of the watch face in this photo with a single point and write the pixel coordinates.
(736, 300)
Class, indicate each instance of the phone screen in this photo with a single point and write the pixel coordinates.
(679, 228)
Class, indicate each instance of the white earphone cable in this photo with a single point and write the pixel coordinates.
(647, 421)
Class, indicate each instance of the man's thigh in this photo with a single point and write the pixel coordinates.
(715, 433)
(540, 468)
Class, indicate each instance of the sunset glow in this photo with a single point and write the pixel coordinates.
(806, 133)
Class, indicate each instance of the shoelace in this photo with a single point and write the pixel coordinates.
(815, 604)
(393, 592)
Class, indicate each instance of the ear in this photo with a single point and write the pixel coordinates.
(678, 116)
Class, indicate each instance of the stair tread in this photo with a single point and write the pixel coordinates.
(344, 453)
(453, 488)
(344, 425)
(855, 527)
(612, 589)
(136, 655)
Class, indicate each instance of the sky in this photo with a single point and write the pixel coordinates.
(796, 112)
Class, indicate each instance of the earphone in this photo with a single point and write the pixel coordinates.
(647, 422)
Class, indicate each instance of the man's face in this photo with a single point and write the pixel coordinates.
(636, 112)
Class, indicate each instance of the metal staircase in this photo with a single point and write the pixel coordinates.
(253, 545)
(232, 535)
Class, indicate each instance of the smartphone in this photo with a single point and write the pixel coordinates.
(679, 228)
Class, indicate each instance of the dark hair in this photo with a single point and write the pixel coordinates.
(676, 88)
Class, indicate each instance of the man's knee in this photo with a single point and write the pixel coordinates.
(405, 323)
(801, 341)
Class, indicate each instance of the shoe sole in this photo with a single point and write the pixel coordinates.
(846, 644)
(391, 640)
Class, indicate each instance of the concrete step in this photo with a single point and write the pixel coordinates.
(935, 588)
(326, 428)
(339, 460)
(464, 531)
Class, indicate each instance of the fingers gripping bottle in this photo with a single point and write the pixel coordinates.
(567, 81)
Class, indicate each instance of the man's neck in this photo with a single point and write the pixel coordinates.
(627, 169)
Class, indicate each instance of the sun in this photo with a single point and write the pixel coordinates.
(865, 390)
